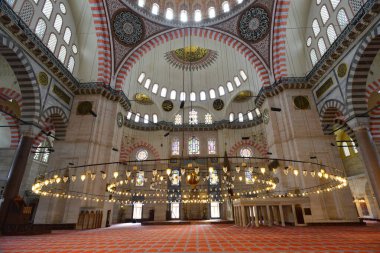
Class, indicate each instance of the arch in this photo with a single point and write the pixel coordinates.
(26, 79)
(328, 113)
(127, 151)
(279, 39)
(153, 42)
(104, 42)
(360, 67)
(6, 93)
(80, 220)
(374, 116)
(258, 147)
(14, 129)
(86, 220)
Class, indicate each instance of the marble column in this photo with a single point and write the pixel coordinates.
(294, 215)
(16, 175)
(256, 216)
(243, 216)
(269, 217)
(282, 216)
(371, 158)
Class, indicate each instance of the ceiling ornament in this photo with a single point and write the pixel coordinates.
(128, 27)
(143, 99)
(243, 96)
(167, 105)
(254, 24)
(191, 58)
(218, 104)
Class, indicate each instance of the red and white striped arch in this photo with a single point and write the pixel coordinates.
(7, 94)
(14, 126)
(104, 41)
(126, 152)
(374, 120)
(279, 39)
(235, 149)
(219, 36)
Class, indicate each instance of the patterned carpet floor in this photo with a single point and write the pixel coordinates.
(201, 238)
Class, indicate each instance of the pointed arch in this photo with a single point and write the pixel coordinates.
(262, 149)
(127, 151)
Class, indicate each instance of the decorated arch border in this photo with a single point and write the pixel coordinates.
(26, 79)
(127, 151)
(279, 39)
(200, 32)
(360, 67)
(53, 120)
(14, 126)
(263, 150)
(374, 120)
(104, 42)
(6, 93)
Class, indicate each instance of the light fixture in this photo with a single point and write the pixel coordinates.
(250, 169)
(196, 170)
(210, 169)
(183, 171)
(262, 170)
(320, 174)
(128, 173)
(225, 169)
(115, 174)
(304, 172)
(103, 174)
(274, 170)
(154, 172)
(286, 171)
(58, 180)
(73, 178)
(93, 175)
(83, 177)
(168, 171)
(237, 168)
(65, 179)
(295, 172)
(233, 178)
(312, 173)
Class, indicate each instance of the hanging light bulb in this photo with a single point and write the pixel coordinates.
(65, 179)
(183, 171)
(320, 174)
(304, 173)
(233, 178)
(240, 178)
(262, 169)
(286, 171)
(58, 180)
(115, 174)
(225, 177)
(237, 168)
(161, 178)
(207, 177)
(93, 175)
(295, 172)
(83, 177)
(250, 169)
(225, 169)
(154, 172)
(134, 168)
(128, 173)
(196, 170)
(326, 176)
(145, 179)
(211, 169)
(168, 171)
(190, 165)
(73, 178)
(104, 175)
(243, 164)
(312, 173)
(323, 171)
(274, 170)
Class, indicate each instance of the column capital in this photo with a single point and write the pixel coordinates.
(359, 123)
(29, 130)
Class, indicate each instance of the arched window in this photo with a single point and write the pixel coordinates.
(211, 144)
(67, 35)
(173, 95)
(155, 118)
(194, 146)
(141, 3)
(212, 94)
(52, 43)
(246, 152)
(324, 14)
(137, 117)
(243, 75)
(346, 149)
(62, 54)
(202, 96)
(42, 153)
(71, 64)
(232, 117)
(197, 15)
(155, 88)
(182, 96)
(226, 6)
(237, 81)
(241, 117)
(308, 42)
(193, 117)
(250, 115)
(175, 181)
(58, 23)
(10, 2)
(331, 34)
(62, 7)
(316, 27)
(146, 119)
(27, 11)
(211, 12)
(155, 9)
(354, 147)
(175, 146)
(342, 19)
(178, 119)
(40, 28)
(147, 83)
(313, 56)
(169, 14)
(334, 3)
(221, 91)
(208, 119)
(47, 9)
(183, 16)
(141, 78)
(230, 88)
(164, 91)
(193, 97)
(129, 115)
(322, 46)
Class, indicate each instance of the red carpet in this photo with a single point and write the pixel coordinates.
(201, 238)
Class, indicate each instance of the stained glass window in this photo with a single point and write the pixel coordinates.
(194, 146)
(213, 177)
(142, 155)
(211, 146)
(175, 177)
(342, 19)
(248, 177)
(246, 152)
(175, 146)
(140, 178)
(331, 34)
(193, 117)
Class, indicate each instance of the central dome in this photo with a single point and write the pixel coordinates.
(188, 13)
